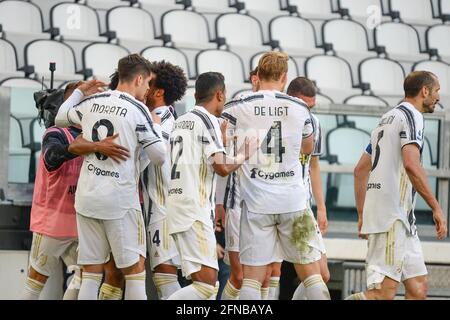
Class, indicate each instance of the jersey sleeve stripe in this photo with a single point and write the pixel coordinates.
(149, 144)
(410, 119)
(229, 117)
(165, 135)
(95, 96)
(165, 116)
(136, 104)
(208, 125)
(292, 99)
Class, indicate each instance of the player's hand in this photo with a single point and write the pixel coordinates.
(361, 235)
(156, 118)
(249, 148)
(92, 87)
(223, 129)
(220, 251)
(112, 150)
(322, 221)
(219, 219)
(441, 223)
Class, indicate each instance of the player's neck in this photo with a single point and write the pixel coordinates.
(127, 88)
(271, 85)
(416, 103)
(210, 107)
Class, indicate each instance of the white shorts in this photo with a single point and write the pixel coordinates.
(197, 247)
(162, 246)
(124, 237)
(297, 234)
(232, 226)
(46, 252)
(394, 254)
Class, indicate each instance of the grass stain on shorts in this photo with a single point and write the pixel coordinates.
(302, 230)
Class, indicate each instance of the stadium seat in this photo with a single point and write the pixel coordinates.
(444, 7)
(323, 100)
(317, 9)
(78, 26)
(40, 52)
(340, 186)
(401, 42)
(172, 55)
(333, 75)
(8, 60)
(103, 6)
(292, 66)
(230, 66)
(212, 6)
(385, 76)
(295, 36)
(139, 30)
(264, 11)
(19, 157)
(21, 29)
(415, 12)
(437, 37)
(158, 8)
(46, 6)
(243, 35)
(366, 100)
(19, 82)
(359, 8)
(187, 102)
(102, 58)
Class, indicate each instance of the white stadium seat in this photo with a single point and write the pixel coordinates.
(139, 30)
(366, 100)
(317, 9)
(295, 35)
(414, 11)
(444, 6)
(8, 60)
(334, 30)
(171, 55)
(243, 35)
(230, 66)
(19, 157)
(438, 38)
(333, 75)
(46, 6)
(16, 82)
(103, 6)
(359, 8)
(158, 8)
(103, 58)
(21, 29)
(385, 76)
(40, 53)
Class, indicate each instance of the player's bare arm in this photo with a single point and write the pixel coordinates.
(316, 184)
(361, 175)
(418, 178)
(107, 147)
(307, 145)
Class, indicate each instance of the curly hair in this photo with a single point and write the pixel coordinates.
(172, 79)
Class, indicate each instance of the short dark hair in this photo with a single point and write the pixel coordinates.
(302, 86)
(416, 80)
(252, 73)
(171, 78)
(207, 85)
(114, 80)
(133, 65)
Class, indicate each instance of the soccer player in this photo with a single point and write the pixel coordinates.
(274, 198)
(198, 155)
(232, 218)
(109, 217)
(52, 214)
(305, 90)
(167, 86)
(394, 252)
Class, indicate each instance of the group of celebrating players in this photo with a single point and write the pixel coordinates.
(149, 181)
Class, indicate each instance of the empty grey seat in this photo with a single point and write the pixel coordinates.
(437, 37)
(366, 100)
(171, 55)
(134, 28)
(418, 12)
(158, 8)
(8, 60)
(102, 58)
(384, 75)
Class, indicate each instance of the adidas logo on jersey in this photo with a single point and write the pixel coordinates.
(270, 175)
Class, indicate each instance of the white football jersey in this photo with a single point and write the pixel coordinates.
(155, 179)
(195, 137)
(390, 195)
(305, 159)
(106, 189)
(271, 180)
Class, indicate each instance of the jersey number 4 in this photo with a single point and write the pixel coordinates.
(109, 132)
(273, 143)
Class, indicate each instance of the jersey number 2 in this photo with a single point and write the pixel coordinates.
(109, 132)
(274, 135)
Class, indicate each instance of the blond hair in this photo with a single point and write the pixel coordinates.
(272, 65)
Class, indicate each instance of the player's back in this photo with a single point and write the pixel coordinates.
(195, 137)
(271, 181)
(388, 183)
(108, 189)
